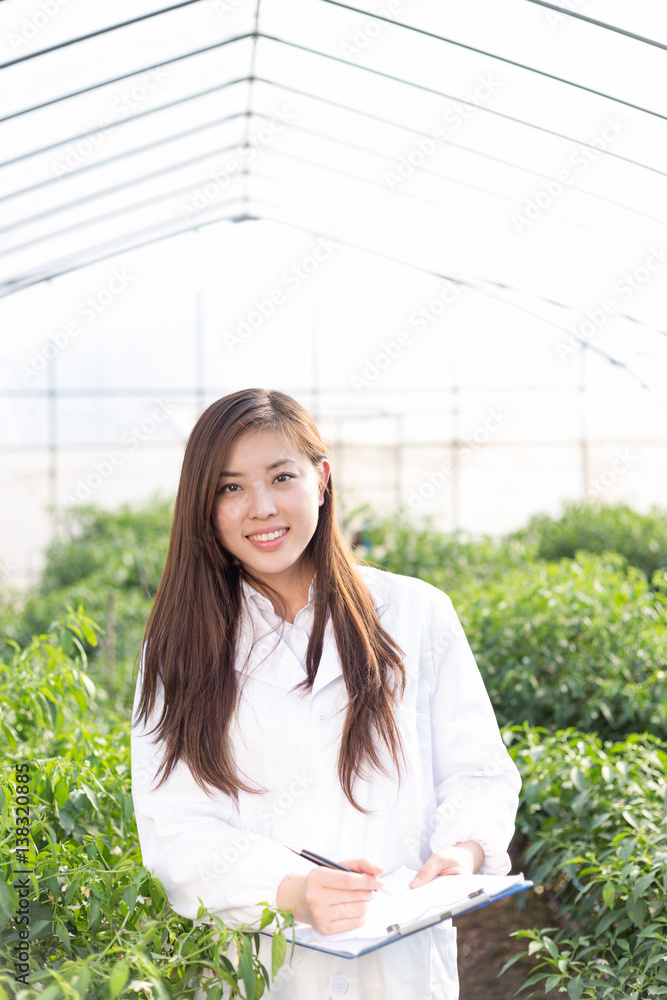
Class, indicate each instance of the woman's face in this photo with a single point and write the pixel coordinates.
(268, 488)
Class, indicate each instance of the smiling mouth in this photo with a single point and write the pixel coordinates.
(268, 536)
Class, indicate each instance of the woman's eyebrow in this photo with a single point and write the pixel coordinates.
(274, 465)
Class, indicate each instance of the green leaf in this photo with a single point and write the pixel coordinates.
(51, 992)
(94, 913)
(63, 936)
(278, 950)
(88, 684)
(119, 976)
(6, 903)
(61, 792)
(551, 983)
(609, 894)
(90, 795)
(551, 947)
(605, 922)
(246, 967)
(511, 961)
(130, 896)
(91, 638)
(575, 988)
(629, 818)
(82, 982)
(641, 885)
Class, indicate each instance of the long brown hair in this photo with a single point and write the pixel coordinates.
(191, 636)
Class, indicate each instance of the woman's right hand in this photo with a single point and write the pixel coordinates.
(328, 899)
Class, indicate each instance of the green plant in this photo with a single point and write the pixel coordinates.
(453, 562)
(592, 817)
(599, 527)
(581, 642)
(111, 563)
(99, 924)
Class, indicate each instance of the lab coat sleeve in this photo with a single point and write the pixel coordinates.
(476, 782)
(189, 841)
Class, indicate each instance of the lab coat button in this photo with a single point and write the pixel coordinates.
(339, 985)
(324, 718)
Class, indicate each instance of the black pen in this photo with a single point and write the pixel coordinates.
(319, 860)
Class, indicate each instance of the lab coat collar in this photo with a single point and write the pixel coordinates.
(378, 593)
(272, 661)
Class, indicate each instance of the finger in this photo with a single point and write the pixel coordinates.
(425, 874)
(344, 897)
(335, 879)
(332, 918)
(363, 865)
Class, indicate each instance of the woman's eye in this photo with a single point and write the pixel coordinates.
(288, 474)
(227, 487)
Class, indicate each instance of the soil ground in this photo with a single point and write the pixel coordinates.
(484, 945)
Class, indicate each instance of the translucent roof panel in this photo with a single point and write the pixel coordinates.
(513, 148)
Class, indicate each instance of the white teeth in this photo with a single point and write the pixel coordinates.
(269, 537)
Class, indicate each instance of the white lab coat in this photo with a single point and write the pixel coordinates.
(460, 784)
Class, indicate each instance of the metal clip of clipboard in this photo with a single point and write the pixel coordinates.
(480, 897)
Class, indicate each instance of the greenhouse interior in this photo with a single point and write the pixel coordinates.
(441, 228)
(363, 209)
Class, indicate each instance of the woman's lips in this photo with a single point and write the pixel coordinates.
(268, 546)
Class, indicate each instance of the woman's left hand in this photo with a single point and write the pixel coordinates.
(461, 859)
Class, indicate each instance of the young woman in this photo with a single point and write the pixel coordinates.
(292, 697)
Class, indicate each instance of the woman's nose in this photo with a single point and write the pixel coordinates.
(262, 505)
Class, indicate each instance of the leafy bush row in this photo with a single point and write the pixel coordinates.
(111, 563)
(99, 924)
(580, 642)
(560, 643)
(598, 527)
(592, 817)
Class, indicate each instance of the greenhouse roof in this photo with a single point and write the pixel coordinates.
(512, 146)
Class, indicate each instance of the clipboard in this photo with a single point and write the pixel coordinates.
(490, 889)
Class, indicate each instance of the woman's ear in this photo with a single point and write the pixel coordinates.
(324, 474)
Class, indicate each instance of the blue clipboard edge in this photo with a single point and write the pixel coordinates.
(512, 890)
